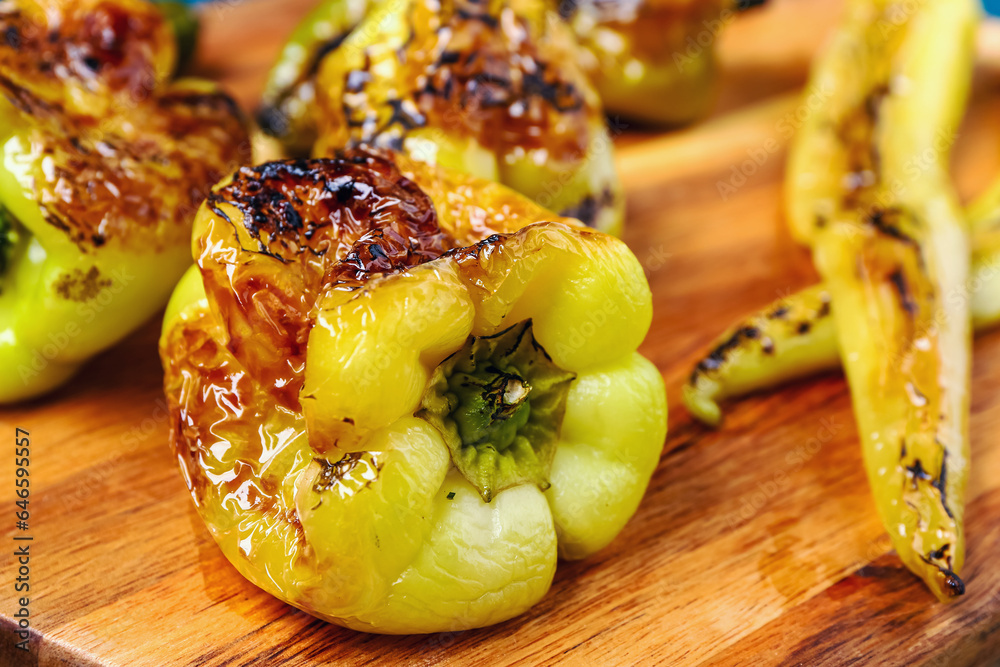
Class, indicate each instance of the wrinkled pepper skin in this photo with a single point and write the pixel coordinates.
(326, 368)
(869, 189)
(104, 164)
(792, 338)
(492, 90)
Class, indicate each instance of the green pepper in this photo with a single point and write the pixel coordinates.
(399, 393)
(105, 161)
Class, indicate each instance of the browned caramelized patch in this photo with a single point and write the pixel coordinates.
(139, 181)
(314, 225)
(466, 72)
(115, 154)
(79, 286)
(97, 45)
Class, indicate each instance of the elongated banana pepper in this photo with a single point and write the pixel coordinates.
(399, 393)
(794, 337)
(104, 164)
(869, 190)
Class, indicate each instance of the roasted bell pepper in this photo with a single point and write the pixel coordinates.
(491, 89)
(104, 164)
(651, 60)
(399, 393)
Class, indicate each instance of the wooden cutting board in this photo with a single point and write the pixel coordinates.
(756, 544)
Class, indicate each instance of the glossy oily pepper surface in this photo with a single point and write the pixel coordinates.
(399, 393)
(105, 162)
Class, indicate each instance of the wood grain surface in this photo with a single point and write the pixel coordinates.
(757, 544)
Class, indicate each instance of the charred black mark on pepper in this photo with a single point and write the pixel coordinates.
(941, 553)
(953, 584)
(941, 484)
(587, 210)
(778, 313)
(824, 309)
(13, 37)
(916, 472)
(902, 286)
(886, 221)
(333, 472)
(717, 357)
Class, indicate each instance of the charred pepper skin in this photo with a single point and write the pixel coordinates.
(644, 58)
(104, 160)
(389, 407)
(490, 89)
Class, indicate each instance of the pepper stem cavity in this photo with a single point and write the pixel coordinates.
(499, 403)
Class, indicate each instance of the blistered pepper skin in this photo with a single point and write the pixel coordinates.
(318, 469)
(647, 59)
(104, 163)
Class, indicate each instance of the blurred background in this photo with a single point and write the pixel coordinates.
(992, 6)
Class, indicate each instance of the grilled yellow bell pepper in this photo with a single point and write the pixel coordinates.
(399, 393)
(490, 89)
(651, 60)
(104, 164)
